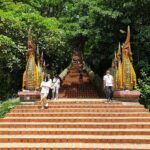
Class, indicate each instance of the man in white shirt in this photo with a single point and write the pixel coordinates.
(55, 87)
(108, 85)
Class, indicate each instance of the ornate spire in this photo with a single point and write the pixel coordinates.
(30, 42)
(118, 69)
(31, 76)
(41, 59)
(129, 76)
(119, 52)
(125, 77)
(127, 45)
(128, 35)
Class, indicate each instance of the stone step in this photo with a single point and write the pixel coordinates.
(76, 119)
(75, 92)
(85, 90)
(81, 110)
(81, 93)
(93, 100)
(64, 131)
(81, 102)
(74, 146)
(79, 114)
(77, 86)
(137, 125)
(134, 139)
(77, 89)
(74, 124)
(70, 87)
(77, 106)
(75, 96)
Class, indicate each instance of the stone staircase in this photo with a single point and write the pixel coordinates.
(76, 124)
(71, 85)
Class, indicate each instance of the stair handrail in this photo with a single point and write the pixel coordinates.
(63, 74)
(94, 78)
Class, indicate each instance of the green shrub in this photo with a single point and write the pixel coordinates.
(144, 88)
(6, 106)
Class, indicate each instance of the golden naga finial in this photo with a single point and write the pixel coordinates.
(119, 52)
(127, 45)
(125, 77)
(29, 35)
(128, 35)
(118, 69)
(32, 74)
(31, 46)
(129, 76)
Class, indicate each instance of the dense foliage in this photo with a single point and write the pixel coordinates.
(144, 88)
(6, 106)
(16, 18)
(59, 26)
(95, 27)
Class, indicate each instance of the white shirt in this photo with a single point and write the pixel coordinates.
(45, 86)
(108, 80)
(56, 82)
(50, 82)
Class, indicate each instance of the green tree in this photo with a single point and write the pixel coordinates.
(16, 18)
(94, 28)
(60, 26)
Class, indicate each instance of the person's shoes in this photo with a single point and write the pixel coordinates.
(46, 105)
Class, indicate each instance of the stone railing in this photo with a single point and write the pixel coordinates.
(64, 72)
(95, 79)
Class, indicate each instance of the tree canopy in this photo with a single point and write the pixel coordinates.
(94, 27)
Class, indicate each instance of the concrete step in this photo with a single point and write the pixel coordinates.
(74, 146)
(71, 131)
(79, 114)
(130, 125)
(76, 119)
(81, 102)
(71, 86)
(75, 139)
(113, 106)
(81, 110)
(53, 131)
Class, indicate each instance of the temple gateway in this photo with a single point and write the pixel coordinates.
(122, 70)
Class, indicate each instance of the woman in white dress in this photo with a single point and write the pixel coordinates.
(44, 92)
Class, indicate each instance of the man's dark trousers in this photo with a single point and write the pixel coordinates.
(109, 92)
